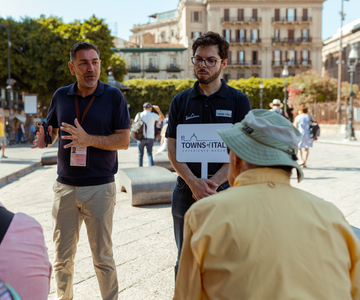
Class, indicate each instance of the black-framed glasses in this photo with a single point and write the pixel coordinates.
(209, 62)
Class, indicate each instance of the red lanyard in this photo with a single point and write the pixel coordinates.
(86, 109)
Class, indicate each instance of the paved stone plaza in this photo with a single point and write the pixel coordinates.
(144, 246)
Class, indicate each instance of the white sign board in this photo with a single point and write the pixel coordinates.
(202, 144)
(30, 106)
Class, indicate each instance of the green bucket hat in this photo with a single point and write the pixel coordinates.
(264, 138)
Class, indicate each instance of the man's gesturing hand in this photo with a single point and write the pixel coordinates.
(202, 188)
(77, 134)
(39, 142)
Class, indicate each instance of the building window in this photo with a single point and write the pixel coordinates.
(195, 34)
(254, 36)
(241, 35)
(134, 62)
(152, 63)
(291, 35)
(277, 35)
(291, 14)
(254, 14)
(241, 57)
(241, 14)
(162, 36)
(277, 14)
(305, 57)
(305, 35)
(255, 60)
(305, 14)
(255, 75)
(226, 14)
(172, 32)
(277, 58)
(227, 35)
(196, 16)
(226, 77)
(240, 75)
(277, 75)
(291, 57)
(173, 62)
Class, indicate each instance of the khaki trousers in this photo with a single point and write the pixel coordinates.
(95, 206)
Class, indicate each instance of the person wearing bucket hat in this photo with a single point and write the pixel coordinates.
(276, 106)
(263, 238)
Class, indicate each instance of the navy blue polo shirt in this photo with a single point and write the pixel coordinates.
(227, 105)
(108, 112)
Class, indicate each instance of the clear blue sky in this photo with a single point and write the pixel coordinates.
(123, 14)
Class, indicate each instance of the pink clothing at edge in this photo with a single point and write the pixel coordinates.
(24, 262)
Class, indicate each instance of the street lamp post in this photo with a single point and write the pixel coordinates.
(9, 85)
(285, 74)
(352, 62)
(261, 94)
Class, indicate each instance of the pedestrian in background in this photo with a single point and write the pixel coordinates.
(149, 118)
(32, 132)
(210, 100)
(2, 137)
(263, 238)
(92, 118)
(276, 107)
(302, 122)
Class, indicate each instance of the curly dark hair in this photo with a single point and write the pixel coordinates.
(82, 46)
(212, 38)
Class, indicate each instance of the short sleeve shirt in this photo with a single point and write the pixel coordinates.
(227, 105)
(109, 112)
(149, 118)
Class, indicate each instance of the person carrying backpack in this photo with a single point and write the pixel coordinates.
(149, 118)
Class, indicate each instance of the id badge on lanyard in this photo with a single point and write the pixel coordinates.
(78, 154)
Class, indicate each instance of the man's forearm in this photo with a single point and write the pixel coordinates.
(221, 176)
(116, 141)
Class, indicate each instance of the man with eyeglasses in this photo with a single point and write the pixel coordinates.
(210, 100)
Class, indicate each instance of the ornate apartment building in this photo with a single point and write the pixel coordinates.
(350, 35)
(264, 35)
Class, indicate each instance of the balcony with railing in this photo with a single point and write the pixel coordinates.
(134, 69)
(240, 20)
(286, 41)
(152, 69)
(244, 63)
(299, 63)
(243, 41)
(299, 20)
(173, 68)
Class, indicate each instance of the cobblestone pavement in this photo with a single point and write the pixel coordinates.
(144, 246)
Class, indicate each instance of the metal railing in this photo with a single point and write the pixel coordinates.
(238, 19)
(245, 63)
(291, 19)
(292, 41)
(244, 41)
(292, 63)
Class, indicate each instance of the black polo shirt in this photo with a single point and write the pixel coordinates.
(108, 113)
(227, 105)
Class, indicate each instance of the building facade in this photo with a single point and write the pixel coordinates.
(350, 34)
(263, 35)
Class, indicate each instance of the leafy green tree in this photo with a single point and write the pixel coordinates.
(118, 67)
(40, 52)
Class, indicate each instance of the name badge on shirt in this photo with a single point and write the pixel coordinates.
(78, 156)
(223, 113)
